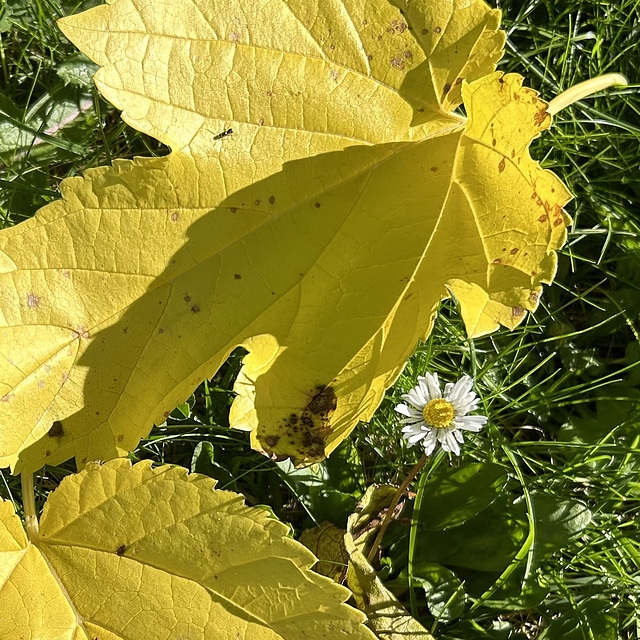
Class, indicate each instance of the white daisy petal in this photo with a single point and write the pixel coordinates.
(415, 437)
(432, 384)
(429, 443)
(403, 409)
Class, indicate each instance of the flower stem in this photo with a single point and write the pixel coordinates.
(392, 507)
(585, 89)
(29, 504)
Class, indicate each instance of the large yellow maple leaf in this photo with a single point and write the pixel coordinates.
(135, 553)
(320, 234)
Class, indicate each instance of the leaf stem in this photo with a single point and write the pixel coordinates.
(392, 507)
(29, 505)
(585, 89)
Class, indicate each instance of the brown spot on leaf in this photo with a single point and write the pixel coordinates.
(175, 217)
(47, 453)
(557, 221)
(120, 437)
(56, 430)
(424, 32)
(260, 122)
(540, 116)
(272, 441)
(33, 301)
(437, 30)
(257, 203)
(317, 205)
(324, 401)
(121, 549)
(160, 330)
(408, 55)
(187, 297)
(434, 169)
(195, 309)
(497, 261)
(494, 142)
(502, 166)
(447, 88)
(237, 276)
(514, 251)
(534, 296)
(397, 63)
(543, 218)
(513, 153)
(516, 312)
(272, 199)
(233, 209)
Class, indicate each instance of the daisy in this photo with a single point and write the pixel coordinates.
(435, 417)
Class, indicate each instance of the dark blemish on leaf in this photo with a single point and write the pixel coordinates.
(437, 30)
(447, 88)
(434, 169)
(195, 309)
(514, 251)
(56, 430)
(257, 203)
(424, 32)
(533, 274)
(272, 199)
(84, 460)
(97, 413)
(33, 301)
(421, 109)
(369, 57)
(502, 166)
(47, 453)
(174, 217)
(237, 276)
(332, 47)
(540, 117)
(494, 142)
(160, 330)
(409, 295)
(459, 80)
(120, 438)
(121, 549)
(501, 80)
(324, 401)
(41, 384)
(334, 74)
(317, 205)
(187, 297)
(232, 209)
(557, 222)
(516, 96)
(66, 274)
(408, 55)
(516, 312)
(260, 122)
(365, 22)
(269, 94)
(543, 218)
(497, 261)
(504, 249)
(166, 414)
(397, 63)
(293, 418)
(272, 441)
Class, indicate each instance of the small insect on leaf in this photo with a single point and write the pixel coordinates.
(224, 134)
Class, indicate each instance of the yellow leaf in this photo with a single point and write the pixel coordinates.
(326, 542)
(385, 615)
(320, 235)
(135, 553)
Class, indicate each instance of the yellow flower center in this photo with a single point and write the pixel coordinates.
(438, 413)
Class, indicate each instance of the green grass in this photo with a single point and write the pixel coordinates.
(561, 391)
